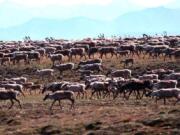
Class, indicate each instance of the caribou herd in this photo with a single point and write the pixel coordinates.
(96, 79)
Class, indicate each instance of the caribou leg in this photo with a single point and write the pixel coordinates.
(72, 104)
(60, 104)
(12, 103)
(178, 99)
(52, 104)
(164, 101)
(18, 102)
(92, 94)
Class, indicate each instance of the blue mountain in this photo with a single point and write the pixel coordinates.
(150, 21)
(153, 20)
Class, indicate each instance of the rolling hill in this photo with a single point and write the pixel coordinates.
(151, 21)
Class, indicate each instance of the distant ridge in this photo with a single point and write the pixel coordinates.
(150, 21)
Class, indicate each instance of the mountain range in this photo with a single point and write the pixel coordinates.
(150, 21)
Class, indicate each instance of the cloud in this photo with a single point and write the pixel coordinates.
(44, 3)
(151, 3)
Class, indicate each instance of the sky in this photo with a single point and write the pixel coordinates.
(15, 12)
(70, 3)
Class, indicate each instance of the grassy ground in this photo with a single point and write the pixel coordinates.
(96, 116)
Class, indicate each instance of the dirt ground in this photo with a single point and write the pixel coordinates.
(92, 117)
